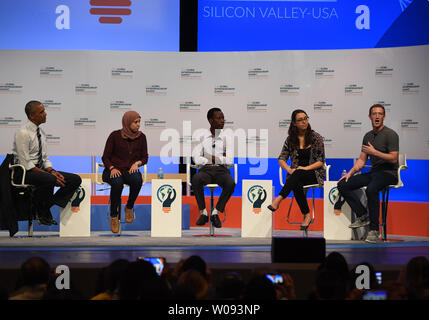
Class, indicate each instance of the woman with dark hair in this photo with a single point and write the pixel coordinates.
(124, 153)
(306, 150)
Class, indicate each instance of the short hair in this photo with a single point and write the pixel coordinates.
(211, 112)
(29, 107)
(35, 271)
(377, 106)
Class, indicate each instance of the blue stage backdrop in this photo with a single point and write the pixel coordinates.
(253, 25)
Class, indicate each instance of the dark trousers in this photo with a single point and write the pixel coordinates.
(295, 182)
(44, 188)
(374, 182)
(213, 174)
(135, 182)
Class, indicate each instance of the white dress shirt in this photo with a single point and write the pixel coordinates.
(221, 146)
(26, 147)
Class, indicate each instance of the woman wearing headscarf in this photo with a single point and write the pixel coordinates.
(124, 153)
(306, 150)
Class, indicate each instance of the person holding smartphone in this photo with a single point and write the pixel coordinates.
(125, 151)
(381, 145)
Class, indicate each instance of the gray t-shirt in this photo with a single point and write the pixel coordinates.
(387, 140)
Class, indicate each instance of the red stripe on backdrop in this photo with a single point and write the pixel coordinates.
(111, 3)
(403, 218)
(110, 20)
(109, 11)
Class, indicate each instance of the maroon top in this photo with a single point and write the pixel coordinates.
(122, 153)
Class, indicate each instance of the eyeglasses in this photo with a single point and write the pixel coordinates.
(302, 119)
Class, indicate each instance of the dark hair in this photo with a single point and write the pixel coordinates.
(29, 107)
(211, 112)
(35, 271)
(196, 263)
(293, 132)
(377, 106)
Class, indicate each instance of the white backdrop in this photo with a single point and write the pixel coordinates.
(86, 92)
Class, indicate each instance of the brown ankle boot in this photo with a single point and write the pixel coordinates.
(114, 224)
(129, 216)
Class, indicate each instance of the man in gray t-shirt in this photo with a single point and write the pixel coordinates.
(381, 145)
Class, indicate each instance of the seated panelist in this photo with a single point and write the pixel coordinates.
(30, 150)
(213, 157)
(124, 153)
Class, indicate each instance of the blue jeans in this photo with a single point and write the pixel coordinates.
(374, 182)
(135, 182)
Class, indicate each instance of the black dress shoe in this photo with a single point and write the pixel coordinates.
(216, 221)
(202, 220)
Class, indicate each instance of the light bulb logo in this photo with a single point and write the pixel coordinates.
(110, 15)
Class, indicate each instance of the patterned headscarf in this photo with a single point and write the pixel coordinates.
(127, 119)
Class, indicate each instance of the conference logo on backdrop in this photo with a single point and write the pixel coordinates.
(257, 106)
(289, 90)
(84, 123)
(322, 106)
(256, 196)
(258, 73)
(224, 90)
(114, 13)
(121, 73)
(51, 72)
(284, 124)
(410, 88)
(328, 142)
(156, 90)
(190, 74)
(410, 124)
(383, 71)
(257, 139)
(353, 90)
(352, 124)
(166, 194)
(10, 87)
(85, 89)
(9, 122)
(155, 123)
(120, 105)
(53, 140)
(324, 73)
(189, 106)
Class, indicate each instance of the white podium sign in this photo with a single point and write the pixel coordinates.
(256, 218)
(336, 226)
(75, 218)
(166, 209)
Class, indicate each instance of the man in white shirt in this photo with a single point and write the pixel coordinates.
(29, 149)
(213, 156)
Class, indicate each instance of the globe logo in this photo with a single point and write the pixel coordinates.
(256, 195)
(166, 194)
(333, 197)
(116, 8)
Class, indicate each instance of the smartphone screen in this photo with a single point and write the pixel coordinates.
(157, 262)
(375, 295)
(275, 278)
